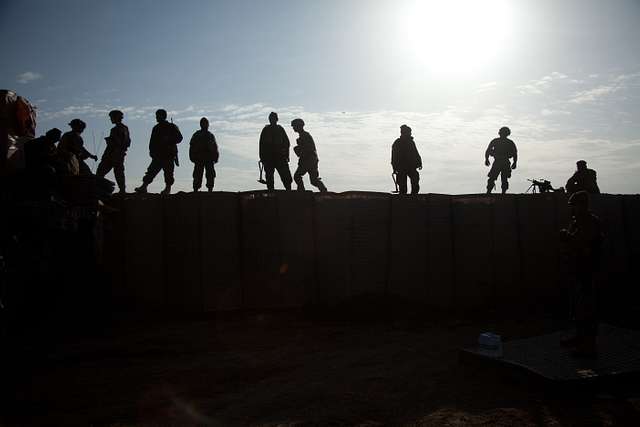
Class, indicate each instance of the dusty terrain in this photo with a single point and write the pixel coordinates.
(289, 369)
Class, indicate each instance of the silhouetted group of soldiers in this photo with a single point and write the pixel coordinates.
(70, 155)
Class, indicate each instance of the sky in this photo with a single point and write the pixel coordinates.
(564, 76)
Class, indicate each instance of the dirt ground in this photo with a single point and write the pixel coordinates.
(286, 369)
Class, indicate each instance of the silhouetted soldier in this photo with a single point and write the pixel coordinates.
(203, 152)
(307, 158)
(72, 143)
(501, 149)
(118, 142)
(40, 153)
(584, 179)
(584, 237)
(274, 152)
(406, 161)
(163, 149)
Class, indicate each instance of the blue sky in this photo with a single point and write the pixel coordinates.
(565, 76)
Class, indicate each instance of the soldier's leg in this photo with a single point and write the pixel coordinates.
(104, 167)
(268, 175)
(85, 170)
(401, 179)
(168, 167)
(285, 175)
(297, 177)
(414, 176)
(504, 182)
(198, 169)
(118, 172)
(154, 167)
(316, 181)
(211, 174)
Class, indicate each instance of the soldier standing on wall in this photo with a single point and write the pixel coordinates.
(584, 179)
(406, 161)
(203, 152)
(584, 237)
(274, 152)
(118, 142)
(72, 143)
(501, 149)
(163, 149)
(307, 158)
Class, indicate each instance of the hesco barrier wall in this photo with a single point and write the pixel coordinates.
(202, 252)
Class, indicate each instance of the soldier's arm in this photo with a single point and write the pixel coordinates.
(488, 152)
(417, 156)
(287, 144)
(262, 149)
(515, 154)
(178, 134)
(216, 153)
(394, 157)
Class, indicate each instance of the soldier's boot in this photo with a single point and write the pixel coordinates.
(300, 187)
(322, 187)
(122, 190)
(196, 189)
(167, 189)
(209, 188)
(142, 189)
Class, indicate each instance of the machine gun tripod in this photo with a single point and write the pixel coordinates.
(542, 186)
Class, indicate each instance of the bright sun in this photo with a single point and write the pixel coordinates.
(456, 36)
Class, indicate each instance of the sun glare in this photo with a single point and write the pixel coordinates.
(456, 36)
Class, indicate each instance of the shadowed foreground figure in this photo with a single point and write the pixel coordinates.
(203, 152)
(584, 238)
(406, 161)
(274, 152)
(72, 144)
(307, 158)
(501, 149)
(118, 142)
(40, 153)
(584, 179)
(163, 149)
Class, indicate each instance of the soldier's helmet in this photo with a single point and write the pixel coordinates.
(273, 116)
(162, 114)
(579, 198)
(54, 134)
(116, 114)
(504, 131)
(581, 164)
(297, 122)
(405, 129)
(204, 122)
(77, 124)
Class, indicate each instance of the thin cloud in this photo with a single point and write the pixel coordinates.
(28, 76)
(538, 87)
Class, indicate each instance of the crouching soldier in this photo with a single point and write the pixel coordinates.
(118, 142)
(584, 238)
(163, 149)
(203, 152)
(72, 143)
(307, 158)
(406, 161)
(584, 179)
